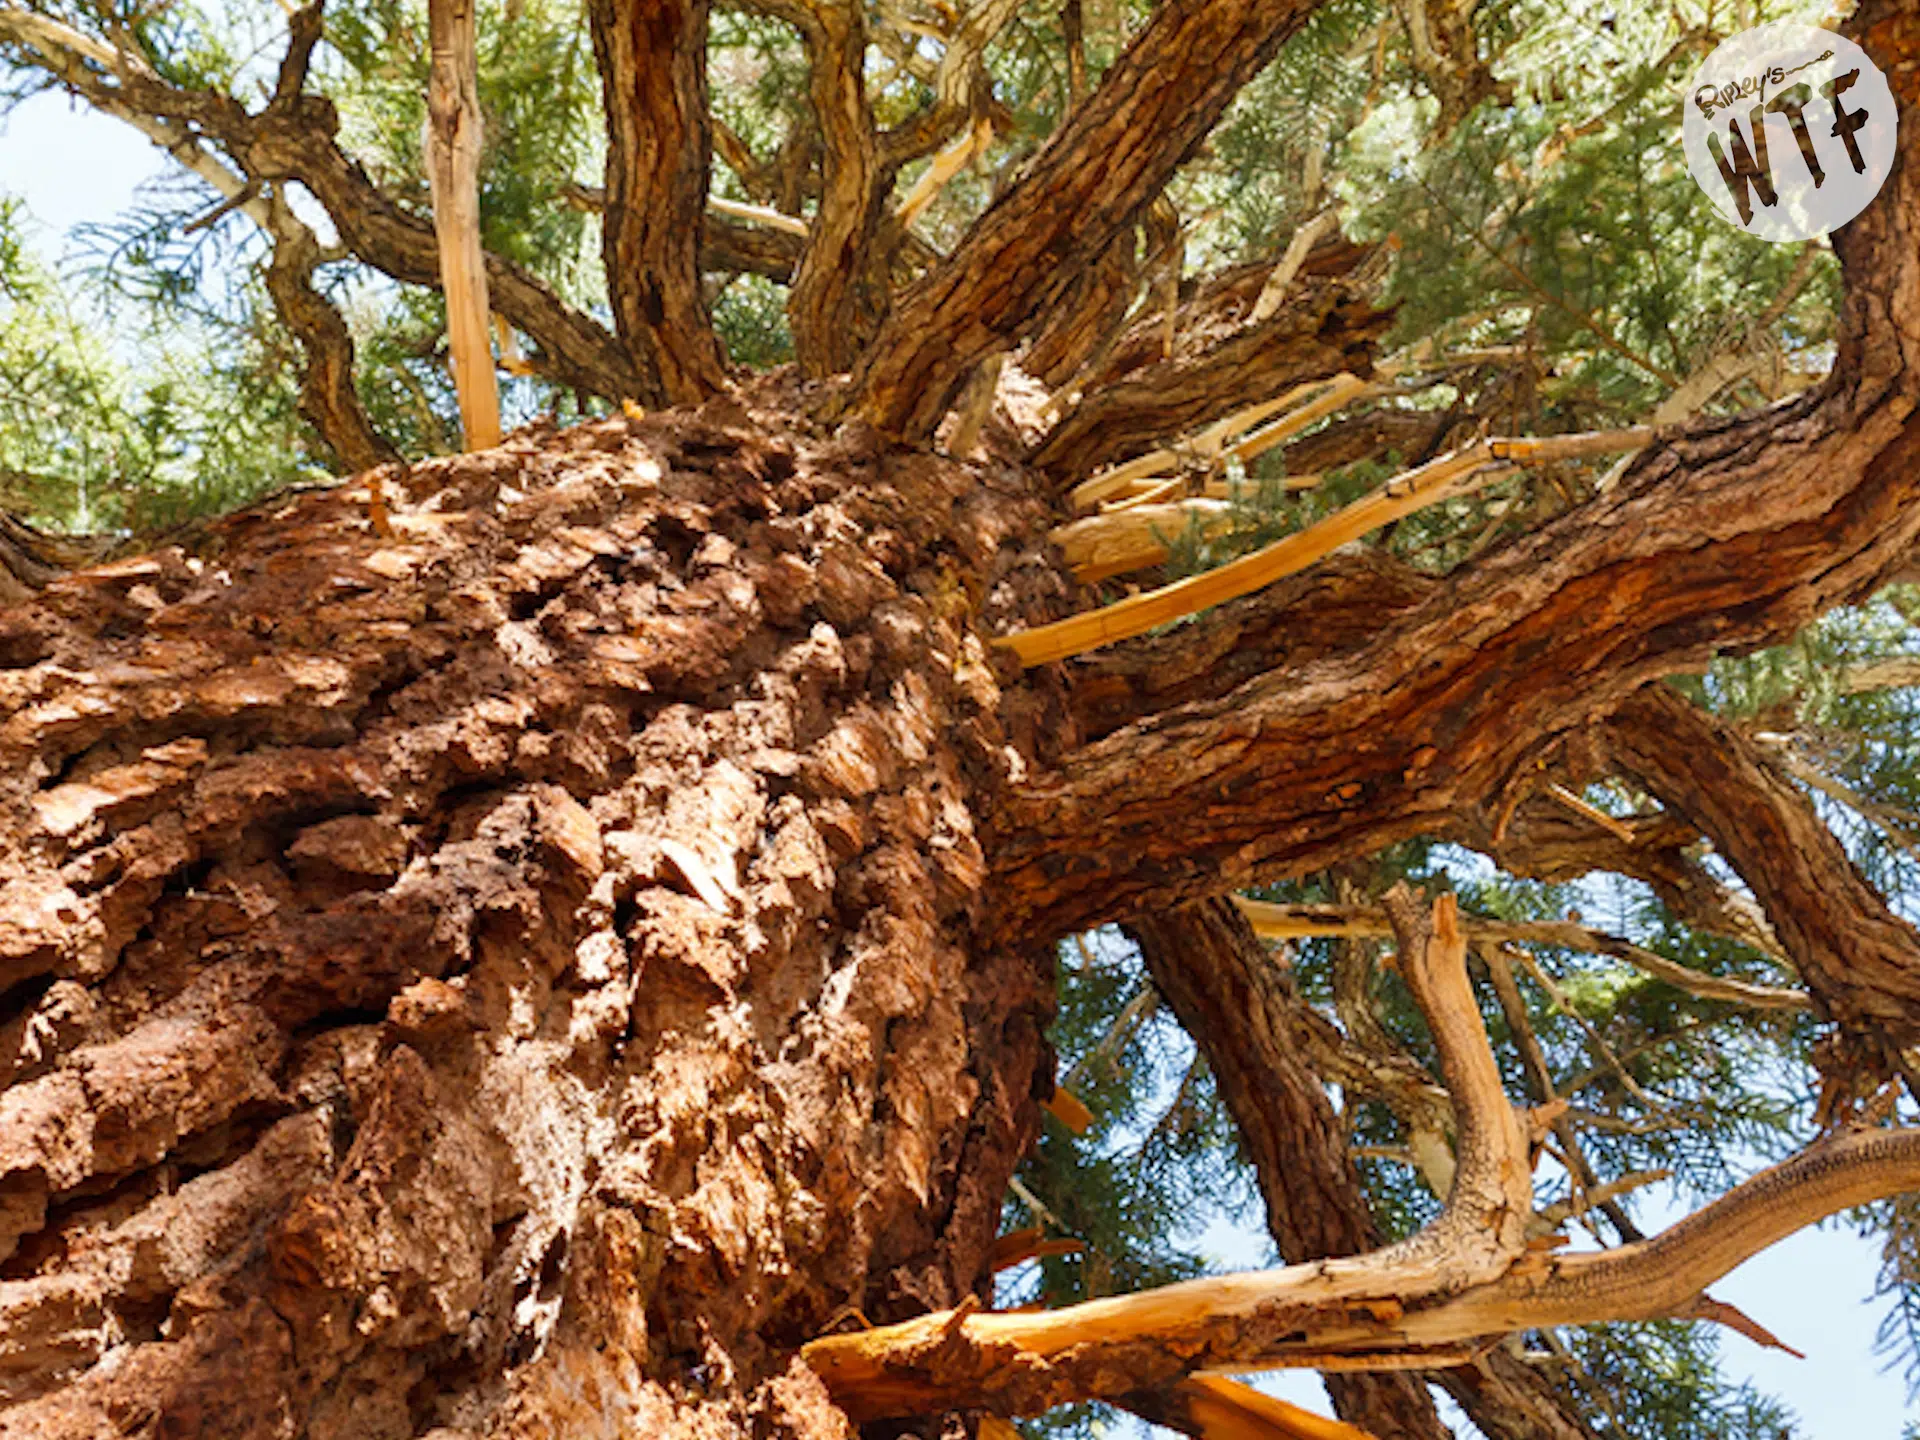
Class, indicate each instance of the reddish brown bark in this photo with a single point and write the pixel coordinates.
(653, 73)
(1859, 959)
(513, 975)
(1094, 176)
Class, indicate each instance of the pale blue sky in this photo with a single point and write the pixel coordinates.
(73, 166)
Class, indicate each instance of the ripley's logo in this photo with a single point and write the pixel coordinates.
(1784, 82)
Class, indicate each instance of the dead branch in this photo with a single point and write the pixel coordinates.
(1289, 922)
(453, 173)
(1452, 475)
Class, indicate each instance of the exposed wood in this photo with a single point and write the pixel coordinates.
(1302, 404)
(944, 166)
(1291, 922)
(653, 76)
(295, 138)
(1245, 1016)
(1457, 473)
(453, 172)
(1213, 1407)
(1726, 535)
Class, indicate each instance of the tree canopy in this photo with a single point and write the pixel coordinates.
(1435, 493)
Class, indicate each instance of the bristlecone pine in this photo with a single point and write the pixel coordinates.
(528, 944)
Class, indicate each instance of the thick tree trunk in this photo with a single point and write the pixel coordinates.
(512, 976)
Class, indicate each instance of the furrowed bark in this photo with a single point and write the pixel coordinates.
(1726, 536)
(839, 290)
(1230, 996)
(653, 73)
(327, 396)
(514, 973)
(1092, 179)
(1860, 960)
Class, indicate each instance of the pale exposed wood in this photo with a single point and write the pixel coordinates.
(1618, 829)
(1294, 922)
(1132, 539)
(1453, 474)
(1304, 239)
(1224, 1409)
(1211, 444)
(758, 215)
(1474, 1242)
(948, 163)
(453, 170)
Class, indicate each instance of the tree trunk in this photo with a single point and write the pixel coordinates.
(513, 976)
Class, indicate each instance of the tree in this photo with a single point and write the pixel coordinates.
(563, 939)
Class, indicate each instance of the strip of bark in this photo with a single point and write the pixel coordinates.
(1860, 960)
(1092, 179)
(653, 73)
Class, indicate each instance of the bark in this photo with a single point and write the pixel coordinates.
(327, 396)
(1091, 180)
(1225, 363)
(1860, 960)
(653, 75)
(514, 975)
(839, 290)
(1229, 995)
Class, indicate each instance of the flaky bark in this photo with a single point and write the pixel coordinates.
(1092, 178)
(514, 974)
(653, 75)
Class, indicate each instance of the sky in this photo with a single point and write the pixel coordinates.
(72, 166)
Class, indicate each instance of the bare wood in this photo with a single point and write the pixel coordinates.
(1132, 539)
(1451, 475)
(1213, 1407)
(453, 170)
(1291, 922)
(948, 163)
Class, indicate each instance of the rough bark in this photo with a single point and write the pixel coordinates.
(653, 76)
(1091, 180)
(514, 975)
(327, 396)
(839, 289)
(1223, 363)
(1860, 960)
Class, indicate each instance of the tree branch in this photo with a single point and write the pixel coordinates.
(1108, 161)
(1729, 535)
(653, 75)
(1860, 960)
